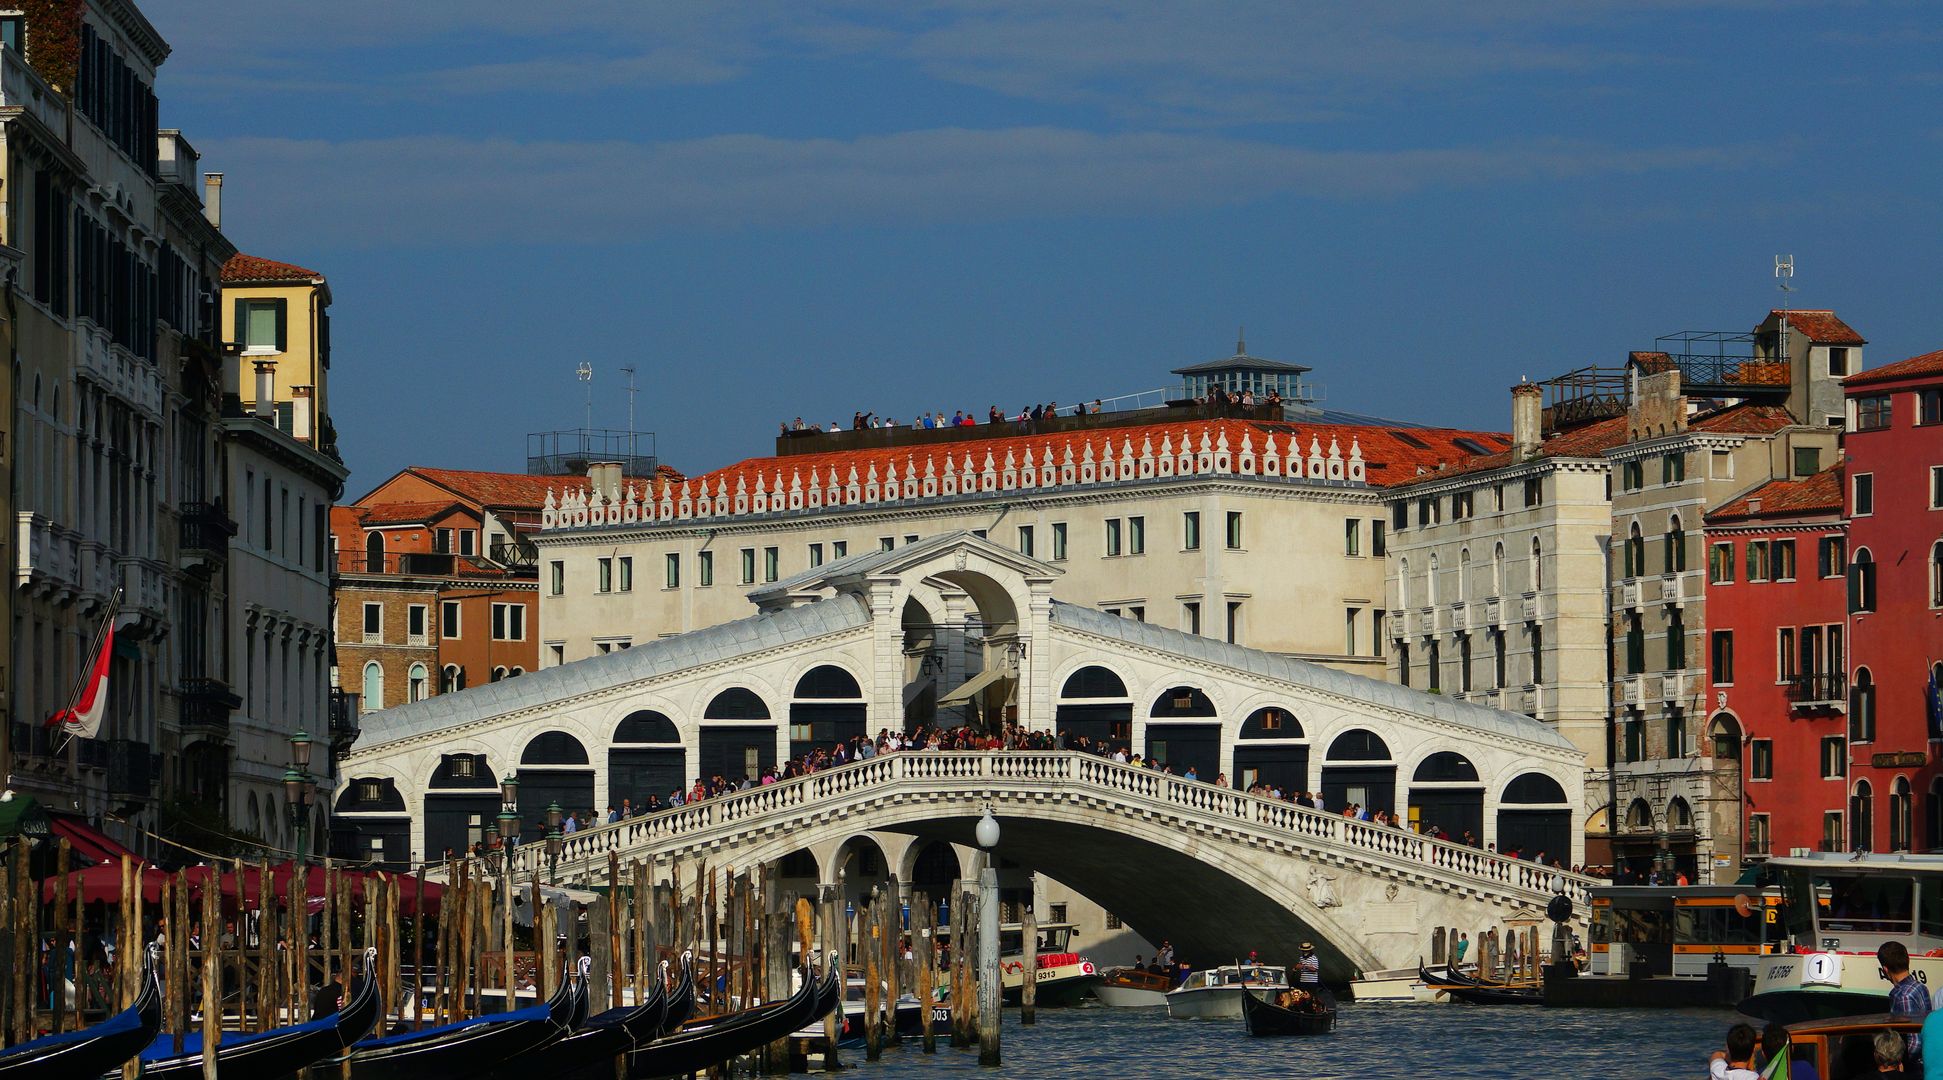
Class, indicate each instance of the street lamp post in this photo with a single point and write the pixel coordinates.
(300, 792)
(989, 999)
(554, 842)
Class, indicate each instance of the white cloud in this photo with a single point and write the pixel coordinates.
(448, 190)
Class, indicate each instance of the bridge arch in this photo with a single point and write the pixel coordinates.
(1271, 748)
(1183, 729)
(1359, 768)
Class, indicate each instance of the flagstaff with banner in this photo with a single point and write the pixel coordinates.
(88, 705)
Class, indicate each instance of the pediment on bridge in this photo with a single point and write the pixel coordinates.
(944, 556)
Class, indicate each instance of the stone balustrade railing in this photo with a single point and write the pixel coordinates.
(997, 775)
(945, 472)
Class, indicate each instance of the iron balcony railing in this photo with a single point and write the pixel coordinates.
(1817, 688)
(343, 720)
(206, 704)
(206, 529)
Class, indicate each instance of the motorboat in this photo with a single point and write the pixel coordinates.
(1132, 988)
(276, 1052)
(1392, 984)
(1837, 910)
(715, 1039)
(92, 1050)
(467, 1048)
(1216, 993)
(1288, 1012)
(1062, 977)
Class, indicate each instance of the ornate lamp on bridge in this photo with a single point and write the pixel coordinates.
(300, 792)
(989, 1002)
(554, 842)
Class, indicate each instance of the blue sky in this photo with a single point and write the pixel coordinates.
(782, 209)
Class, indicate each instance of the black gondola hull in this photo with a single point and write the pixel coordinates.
(1264, 1019)
(113, 1042)
(729, 1037)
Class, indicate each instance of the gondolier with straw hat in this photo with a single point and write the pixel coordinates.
(1309, 966)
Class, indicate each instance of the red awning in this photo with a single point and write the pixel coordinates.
(91, 843)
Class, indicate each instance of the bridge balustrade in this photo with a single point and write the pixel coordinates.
(832, 786)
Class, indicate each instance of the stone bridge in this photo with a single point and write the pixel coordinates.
(1216, 871)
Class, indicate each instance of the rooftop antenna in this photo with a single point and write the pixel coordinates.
(1241, 341)
(629, 372)
(1784, 275)
(586, 373)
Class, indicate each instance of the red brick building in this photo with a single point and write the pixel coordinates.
(1895, 508)
(1776, 659)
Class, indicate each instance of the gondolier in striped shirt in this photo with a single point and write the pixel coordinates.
(1309, 967)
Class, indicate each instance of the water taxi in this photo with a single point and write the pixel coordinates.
(1836, 910)
(1217, 992)
(1132, 988)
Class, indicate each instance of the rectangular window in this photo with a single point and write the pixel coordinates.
(625, 564)
(1353, 537)
(1429, 510)
(450, 622)
(816, 554)
(1137, 613)
(1434, 665)
(416, 618)
(1760, 759)
(1784, 653)
(1864, 501)
(1349, 630)
(1376, 632)
(1930, 407)
(604, 575)
(1399, 516)
(1460, 505)
(556, 578)
(748, 566)
(771, 563)
(1191, 531)
(374, 622)
(509, 622)
(887, 543)
(1635, 737)
(1379, 544)
(1722, 662)
(704, 569)
(1403, 663)
(1112, 537)
(1635, 644)
(1191, 617)
(1673, 468)
(1832, 830)
(1757, 560)
(839, 549)
(1497, 498)
(1234, 622)
(1936, 487)
(1720, 465)
(1632, 476)
(262, 329)
(1534, 492)
(1838, 361)
(1136, 536)
(910, 538)
(1872, 412)
(1234, 530)
(671, 570)
(1831, 556)
(1464, 663)
(1782, 556)
(441, 541)
(1536, 633)
(1676, 733)
(1676, 640)
(1808, 460)
(1835, 757)
(1058, 541)
(558, 652)
(1758, 839)
(1497, 659)
(1720, 564)
(468, 541)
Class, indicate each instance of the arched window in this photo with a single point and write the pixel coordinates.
(1539, 789)
(1403, 583)
(374, 552)
(1430, 581)
(1271, 723)
(1676, 546)
(1181, 701)
(736, 703)
(1862, 581)
(1862, 707)
(1678, 814)
(1639, 815)
(1497, 570)
(553, 748)
(828, 682)
(1359, 744)
(374, 687)
(498, 673)
(1093, 682)
(1862, 817)
(418, 682)
(1447, 767)
(452, 679)
(1463, 575)
(1537, 565)
(1635, 555)
(1725, 731)
(646, 726)
(1901, 817)
(1936, 574)
(516, 672)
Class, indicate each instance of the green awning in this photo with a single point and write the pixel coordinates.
(23, 815)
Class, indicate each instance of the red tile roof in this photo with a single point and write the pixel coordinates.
(407, 513)
(241, 268)
(1912, 368)
(1391, 455)
(1651, 363)
(520, 491)
(1746, 418)
(1806, 496)
(1820, 327)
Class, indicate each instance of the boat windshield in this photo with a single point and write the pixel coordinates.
(1875, 903)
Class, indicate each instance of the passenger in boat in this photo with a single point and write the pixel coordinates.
(329, 995)
(1889, 1053)
(1737, 1061)
(1774, 1043)
(1907, 994)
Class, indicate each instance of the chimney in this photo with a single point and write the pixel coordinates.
(1527, 410)
(605, 477)
(301, 398)
(266, 390)
(212, 198)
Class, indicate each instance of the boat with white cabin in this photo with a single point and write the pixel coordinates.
(1837, 909)
(1216, 993)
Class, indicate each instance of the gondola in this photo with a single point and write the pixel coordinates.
(1264, 1018)
(719, 1039)
(1497, 995)
(465, 1049)
(93, 1050)
(681, 1000)
(588, 1053)
(277, 1052)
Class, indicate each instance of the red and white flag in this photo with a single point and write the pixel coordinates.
(83, 720)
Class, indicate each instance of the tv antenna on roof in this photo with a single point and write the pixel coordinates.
(629, 372)
(1784, 275)
(586, 373)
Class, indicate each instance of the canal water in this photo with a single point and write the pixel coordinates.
(1370, 1041)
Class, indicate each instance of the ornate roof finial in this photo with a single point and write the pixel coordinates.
(1241, 341)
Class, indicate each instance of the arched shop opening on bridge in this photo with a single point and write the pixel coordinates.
(1359, 770)
(553, 768)
(1183, 734)
(738, 739)
(461, 797)
(371, 823)
(1272, 750)
(1445, 791)
(827, 709)
(647, 758)
(1534, 816)
(1094, 705)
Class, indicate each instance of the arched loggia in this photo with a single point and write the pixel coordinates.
(827, 709)
(460, 798)
(646, 759)
(553, 768)
(1094, 705)
(1445, 791)
(737, 738)
(1272, 749)
(1183, 734)
(1533, 816)
(1359, 769)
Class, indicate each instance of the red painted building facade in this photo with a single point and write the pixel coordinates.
(1776, 653)
(1894, 495)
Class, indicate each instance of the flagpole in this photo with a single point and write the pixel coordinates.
(81, 682)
